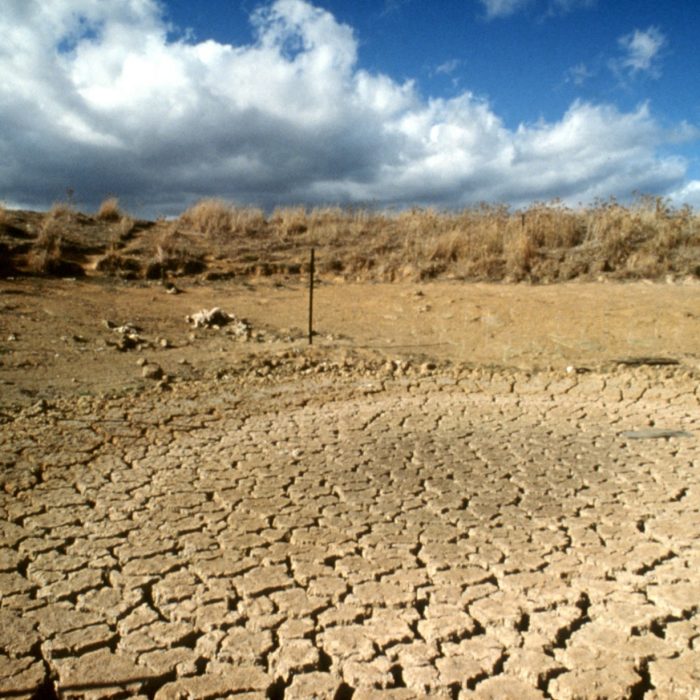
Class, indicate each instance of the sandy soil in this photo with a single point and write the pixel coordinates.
(54, 340)
(461, 491)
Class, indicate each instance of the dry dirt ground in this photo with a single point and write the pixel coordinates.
(460, 491)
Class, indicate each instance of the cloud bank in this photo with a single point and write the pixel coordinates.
(98, 97)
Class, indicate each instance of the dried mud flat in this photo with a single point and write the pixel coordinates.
(298, 525)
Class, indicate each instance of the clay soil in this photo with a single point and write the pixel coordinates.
(460, 490)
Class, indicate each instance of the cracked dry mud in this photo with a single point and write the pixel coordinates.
(473, 534)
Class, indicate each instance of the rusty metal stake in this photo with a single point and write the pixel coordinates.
(311, 298)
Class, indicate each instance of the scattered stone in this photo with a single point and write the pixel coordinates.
(129, 336)
(152, 371)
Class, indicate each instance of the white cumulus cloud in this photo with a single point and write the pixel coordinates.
(641, 51)
(96, 96)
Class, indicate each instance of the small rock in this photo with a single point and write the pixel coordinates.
(164, 383)
(165, 343)
(11, 338)
(152, 372)
(142, 361)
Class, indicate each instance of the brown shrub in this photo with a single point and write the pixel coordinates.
(109, 210)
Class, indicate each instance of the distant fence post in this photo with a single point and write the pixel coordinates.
(311, 297)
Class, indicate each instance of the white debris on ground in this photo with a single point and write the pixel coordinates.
(209, 319)
(216, 318)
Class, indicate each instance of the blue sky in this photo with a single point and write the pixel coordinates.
(383, 103)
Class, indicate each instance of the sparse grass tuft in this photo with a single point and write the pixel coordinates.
(60, 211)
(109, 210)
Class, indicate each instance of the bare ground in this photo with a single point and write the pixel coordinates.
(460, 491)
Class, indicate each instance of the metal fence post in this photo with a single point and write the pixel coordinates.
(311, 297)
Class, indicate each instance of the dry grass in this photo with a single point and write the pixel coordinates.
(545, 242)
(60, 211)
(46, 253)
(175, 252)
(221, 220)
(542, 243)
(109, 210)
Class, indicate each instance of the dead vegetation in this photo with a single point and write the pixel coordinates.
(47, 253)
(543, 243)
(109, 210)
(220, 220)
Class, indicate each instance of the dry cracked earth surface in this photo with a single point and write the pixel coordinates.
(356, 533)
